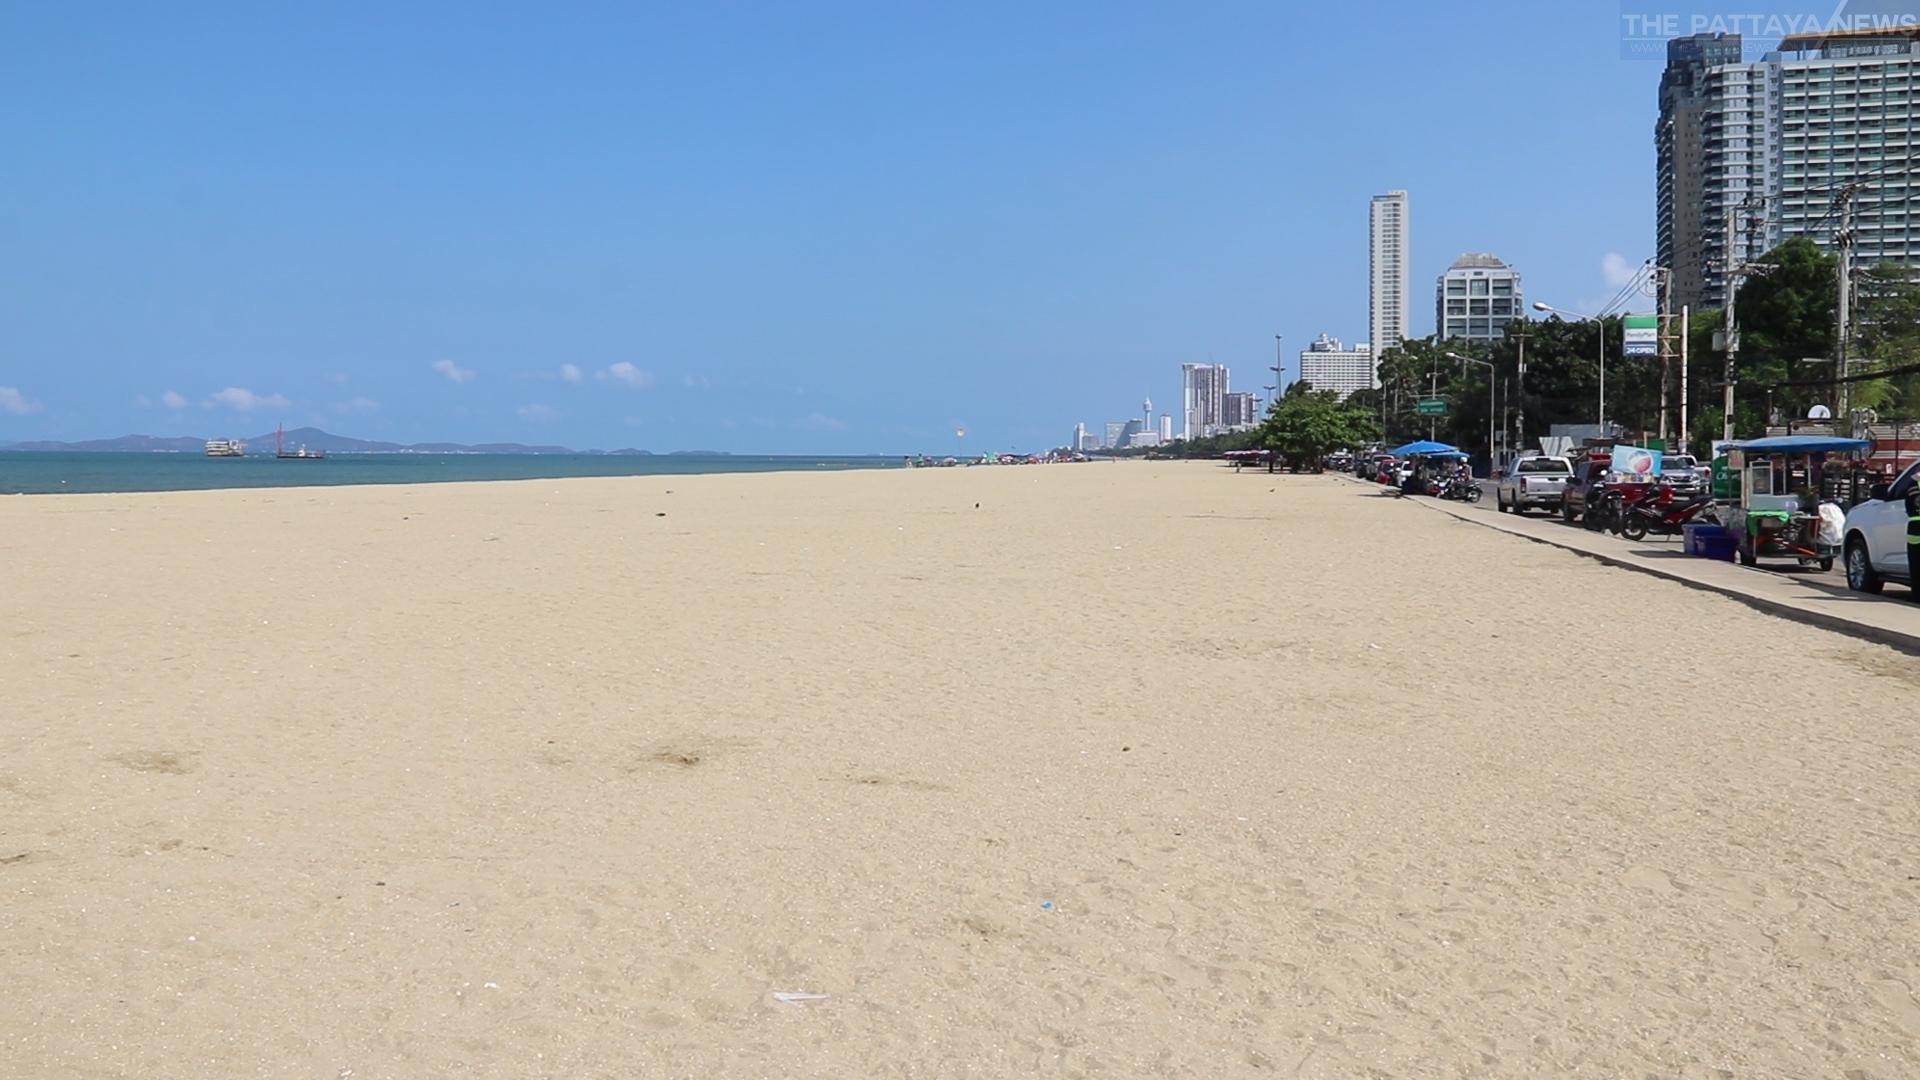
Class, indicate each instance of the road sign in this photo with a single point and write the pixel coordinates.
(1641, 335)
(1430, 407)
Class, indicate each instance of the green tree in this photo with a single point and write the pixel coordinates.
(1306, 425)
(1887, 338)
(1409, 372)
(1787, 315)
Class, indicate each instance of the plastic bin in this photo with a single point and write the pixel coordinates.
(1709, 542)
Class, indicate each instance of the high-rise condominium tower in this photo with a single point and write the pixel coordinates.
(1390, 284)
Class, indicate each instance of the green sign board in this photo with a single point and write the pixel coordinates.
(1430, 407)
(1641, 334)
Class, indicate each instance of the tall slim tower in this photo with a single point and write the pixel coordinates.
(1390, 285)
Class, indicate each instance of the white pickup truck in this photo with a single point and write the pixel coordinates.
(1538, 481)
(1876, 532)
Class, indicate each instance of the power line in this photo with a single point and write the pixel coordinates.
(1865, 376)
(1632, 286)
(1857, 177)
(1856, 182)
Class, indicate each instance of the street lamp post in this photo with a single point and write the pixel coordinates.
(1488, 364)
(1600, 324)
(1279, 362)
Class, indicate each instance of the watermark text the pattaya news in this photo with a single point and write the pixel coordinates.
(1645, 32)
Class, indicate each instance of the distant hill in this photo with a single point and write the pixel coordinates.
(123, 444)
(315, 439)
(310, 437)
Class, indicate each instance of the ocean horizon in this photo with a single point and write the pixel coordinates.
(35, 472)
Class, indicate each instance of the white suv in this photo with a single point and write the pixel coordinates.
(1877, 537)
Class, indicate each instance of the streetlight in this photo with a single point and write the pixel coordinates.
(1601, 325)
(1488, 364)
(1279, 361)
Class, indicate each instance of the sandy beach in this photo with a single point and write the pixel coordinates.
(1106, 770)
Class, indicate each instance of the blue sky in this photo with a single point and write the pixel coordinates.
(762, 227)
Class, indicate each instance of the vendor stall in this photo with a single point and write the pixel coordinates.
(1772, 504)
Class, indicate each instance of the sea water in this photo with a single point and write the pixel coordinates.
(36, 473)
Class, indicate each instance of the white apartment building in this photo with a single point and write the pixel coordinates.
(1476, 298)
(1390, 279)
(1327, 365)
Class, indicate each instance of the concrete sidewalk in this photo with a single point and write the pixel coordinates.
(1818, 599)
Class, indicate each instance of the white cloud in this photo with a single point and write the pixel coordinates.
(453, 371)
(357, 405)
(571, 373)
(1617, 271)
(173, 401)
(822, 422)
(538, 412)
(17, 403)
(626, 373)
(240, 399)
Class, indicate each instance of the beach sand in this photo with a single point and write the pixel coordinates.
(1132, 770)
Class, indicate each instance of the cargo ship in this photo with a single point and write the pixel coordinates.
(226, 448)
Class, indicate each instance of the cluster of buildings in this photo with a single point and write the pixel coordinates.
(1819, 138)
(1473, 301)
(1142, 430)
(1208, 406)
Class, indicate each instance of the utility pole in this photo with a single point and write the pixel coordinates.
(1732, 329)
(1433, 391)
(1600, 331)
(1519, 397)
(1665, 294)
(1685, 312)
(1842, 396)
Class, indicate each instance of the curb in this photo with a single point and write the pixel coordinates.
(1879, 635)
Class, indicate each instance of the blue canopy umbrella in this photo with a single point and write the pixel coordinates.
(1802, 444)
(1426, 448)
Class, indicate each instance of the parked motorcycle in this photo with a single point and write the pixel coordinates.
(1462, 489)
(1604, 512)
(1662, 515)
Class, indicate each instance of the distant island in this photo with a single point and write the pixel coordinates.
(310, 437)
